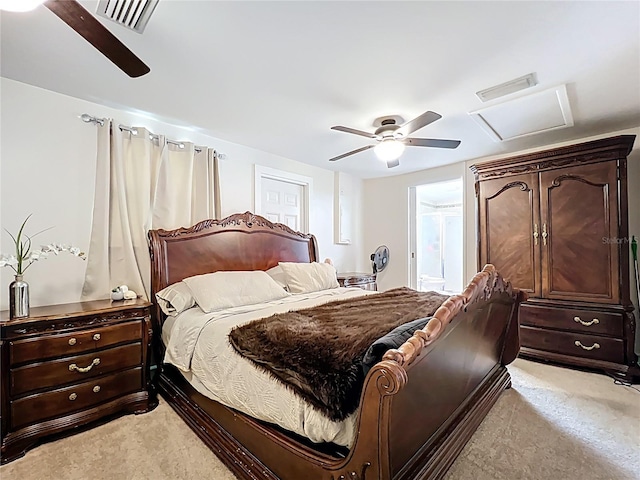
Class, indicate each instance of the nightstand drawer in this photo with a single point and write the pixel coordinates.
(74, 369)
(56, 403)
(74, 342)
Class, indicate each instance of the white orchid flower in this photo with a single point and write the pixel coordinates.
(76, 252)
(26, 256)
(8, 261)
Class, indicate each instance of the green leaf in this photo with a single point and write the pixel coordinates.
(20, 245)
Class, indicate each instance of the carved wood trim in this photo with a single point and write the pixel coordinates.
(483, 286)
(67, 324)
(522, 185)
(247, 219)
(353, 474)
(608, 149)
(561, 178)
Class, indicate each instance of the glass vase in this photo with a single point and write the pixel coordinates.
(18, 298)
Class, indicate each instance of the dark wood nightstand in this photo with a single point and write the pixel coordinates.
(365, 281)
(68, 365)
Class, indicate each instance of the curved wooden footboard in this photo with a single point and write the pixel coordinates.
(419, 405)
(423, 402)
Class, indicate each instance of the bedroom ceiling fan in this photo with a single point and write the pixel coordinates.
(88, 27)
(392, 138)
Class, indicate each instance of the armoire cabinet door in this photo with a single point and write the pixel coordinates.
(510, 229)
(579, 214)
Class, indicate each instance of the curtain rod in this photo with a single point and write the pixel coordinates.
(85, 117)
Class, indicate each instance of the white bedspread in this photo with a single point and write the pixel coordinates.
(197, 343)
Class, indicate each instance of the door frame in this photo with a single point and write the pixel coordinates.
(413, 237)
(305, 182)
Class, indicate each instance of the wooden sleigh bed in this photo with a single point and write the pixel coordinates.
(419, 405)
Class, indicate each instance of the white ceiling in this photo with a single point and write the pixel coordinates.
(277, 75)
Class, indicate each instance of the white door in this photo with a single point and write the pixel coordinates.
(282, 202)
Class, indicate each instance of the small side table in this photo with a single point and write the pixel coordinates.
(70, 365)
(365, 281)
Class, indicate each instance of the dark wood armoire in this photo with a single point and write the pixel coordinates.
(555, 223)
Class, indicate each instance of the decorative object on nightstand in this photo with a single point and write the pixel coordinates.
(365, 281)
(21, 261)
(123, 292)
(117, 294)
(69, 365)
(18, 298)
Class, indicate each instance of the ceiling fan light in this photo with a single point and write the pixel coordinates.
(388, 150)
(19, 5)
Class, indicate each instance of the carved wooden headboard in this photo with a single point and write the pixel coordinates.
(239, 242)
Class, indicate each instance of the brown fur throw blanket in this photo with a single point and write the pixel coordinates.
(318, 351)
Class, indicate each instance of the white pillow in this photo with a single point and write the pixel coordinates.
(220, 290)
(277, 273)
(309, 277)
(175, 299)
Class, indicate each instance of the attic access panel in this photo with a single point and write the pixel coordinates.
(536, 113)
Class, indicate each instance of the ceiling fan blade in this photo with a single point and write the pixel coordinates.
(353, 130)
(417, 123)
(362, 149)
(87, 26)
(431, 142)
(393, 163)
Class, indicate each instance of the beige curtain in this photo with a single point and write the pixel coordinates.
(143, 182)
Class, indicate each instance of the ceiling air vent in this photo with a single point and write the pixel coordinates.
(506, 88)
(132, 14)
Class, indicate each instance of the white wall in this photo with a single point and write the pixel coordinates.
(47, 168)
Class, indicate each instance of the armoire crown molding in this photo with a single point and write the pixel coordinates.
(594, 151)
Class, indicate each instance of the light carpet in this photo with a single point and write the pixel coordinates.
(555, 423)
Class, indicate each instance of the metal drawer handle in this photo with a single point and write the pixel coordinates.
(72, 341)
(73, 366)
(96, 336)
(73, 396)
(595, 321)
(595, 345)
(96, 389)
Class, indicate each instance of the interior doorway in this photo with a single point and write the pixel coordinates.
(282, 202)
(282, 197)
(437, 236)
